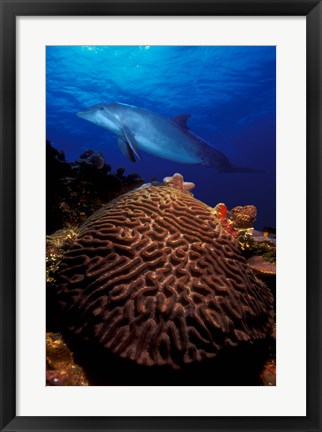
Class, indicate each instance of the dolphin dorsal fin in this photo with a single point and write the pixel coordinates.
(181, 119)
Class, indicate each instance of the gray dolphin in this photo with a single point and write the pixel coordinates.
(139, 129)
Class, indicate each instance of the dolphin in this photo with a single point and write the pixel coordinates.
(138, 129)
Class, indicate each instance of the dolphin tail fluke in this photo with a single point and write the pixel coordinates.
(239, 169)
(214, 158)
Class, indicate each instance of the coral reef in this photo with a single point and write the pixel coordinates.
(222, 213)
(55, 246)
(264, 246)
(243, 216)
(261, 255)
(76, 189)
(176, 181)
(92, 159)
(154, 278)
(269, 232)
(61, 368)
(262, 267)
(268, 374)
(238, 222)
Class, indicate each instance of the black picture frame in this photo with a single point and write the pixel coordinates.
(10, 9)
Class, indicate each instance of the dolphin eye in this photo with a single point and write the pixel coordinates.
(101, 108)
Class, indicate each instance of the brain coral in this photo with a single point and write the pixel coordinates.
(154, 278)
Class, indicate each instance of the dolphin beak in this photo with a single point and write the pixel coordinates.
(89, 115)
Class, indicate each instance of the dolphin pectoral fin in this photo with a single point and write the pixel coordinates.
(131, 141)
(181, 120)
(126, 149)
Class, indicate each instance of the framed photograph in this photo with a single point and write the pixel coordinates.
(160, 224)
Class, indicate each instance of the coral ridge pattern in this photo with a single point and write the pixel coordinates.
(154, 278)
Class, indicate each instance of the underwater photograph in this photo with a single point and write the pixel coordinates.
(160, 215)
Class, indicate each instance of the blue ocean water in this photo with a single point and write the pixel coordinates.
(230, 92)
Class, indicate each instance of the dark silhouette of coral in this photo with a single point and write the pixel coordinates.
(154, 278)
(76, 189)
